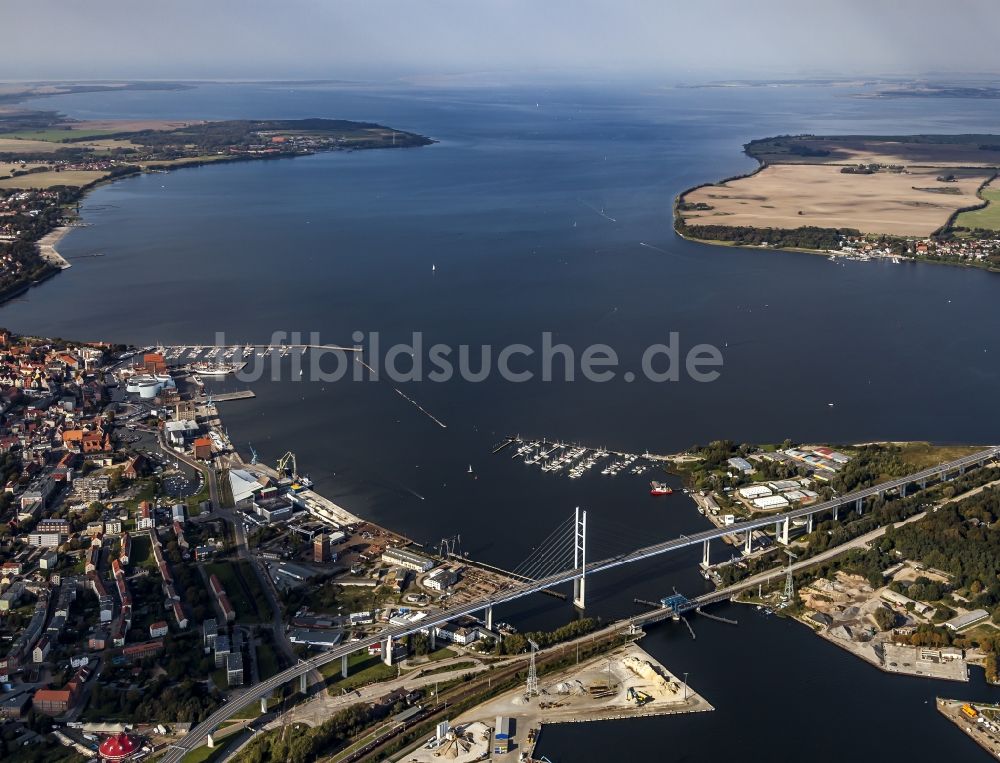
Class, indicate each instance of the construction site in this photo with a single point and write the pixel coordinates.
(843, 610)
(624, 683)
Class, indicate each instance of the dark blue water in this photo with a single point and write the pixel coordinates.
(507, 207)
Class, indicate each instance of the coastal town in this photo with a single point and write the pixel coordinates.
(137, 546)
(48, 163)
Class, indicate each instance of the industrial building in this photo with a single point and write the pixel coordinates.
(441, 580)
(964, 621)
(316, 637)
(770, 502)
(754, 491)
(322, 553)
(502, 735)
(407, 559)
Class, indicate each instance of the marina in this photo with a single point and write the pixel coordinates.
(573, 460)
(217, 360)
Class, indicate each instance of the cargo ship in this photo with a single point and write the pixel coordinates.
(660, 488)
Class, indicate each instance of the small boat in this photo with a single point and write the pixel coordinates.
(660, 488)
(470, 468)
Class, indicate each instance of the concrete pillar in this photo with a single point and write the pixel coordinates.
(961, 471)
(343, 666)
(304, 683)
(859, 505)
(433, 637)
(784, 530)
(836, 513)
(580, 559)
(705, 555)
(488, 618)
(387, 651)
(580, 592)
(748, 542)
(263, 705)
(809, 523)
(902, 490)
(210, 741)
(777, 532)
(923, 484)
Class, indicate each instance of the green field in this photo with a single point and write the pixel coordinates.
(987, 218)
(922, 455)
(57, 136)
(363, 669)
(203, 754)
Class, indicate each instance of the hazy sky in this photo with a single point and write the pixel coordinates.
(693, 39)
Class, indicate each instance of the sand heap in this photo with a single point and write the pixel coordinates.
(645, 670)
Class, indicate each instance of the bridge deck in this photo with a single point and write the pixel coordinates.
(253, 694)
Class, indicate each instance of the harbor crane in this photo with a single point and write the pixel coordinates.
(253, 454)
(283, 463)
(449, 547)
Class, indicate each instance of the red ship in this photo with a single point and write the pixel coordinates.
(660, 488)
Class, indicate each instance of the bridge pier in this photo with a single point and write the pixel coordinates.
(748, 543)
(836, 513)
(343, 666)
(210, 741)
(809, 523)
(580, 559)
(387, 652)
(902, 490)
(859, 505)
(961, 471)
(488, 617)
(705, 555)
(432, 637)
(263, 705)
(303, 684)
(784, 531)
(923, 484)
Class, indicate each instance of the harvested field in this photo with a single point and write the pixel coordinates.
(24, 146)
(49, 179)
(131, 125)
(797, 195)
(9, 168)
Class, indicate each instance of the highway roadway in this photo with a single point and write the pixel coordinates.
(237, 702)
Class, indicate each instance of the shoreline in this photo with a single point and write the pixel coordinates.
(680, 224)
(47, 247)
(46, 244)
(953, 710)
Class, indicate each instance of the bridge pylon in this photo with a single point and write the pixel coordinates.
(580, 559)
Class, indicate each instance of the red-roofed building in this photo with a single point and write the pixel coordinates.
(203, 448)
(138, 652)
(159, 628)
(154, 363)
(53, 701)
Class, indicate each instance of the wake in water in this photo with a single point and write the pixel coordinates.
(406, 397)
(654, 248)
(600, 212)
